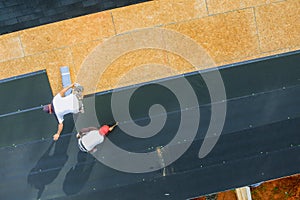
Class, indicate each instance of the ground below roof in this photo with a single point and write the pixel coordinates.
(285, 188)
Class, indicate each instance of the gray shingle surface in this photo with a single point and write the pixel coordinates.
(17, 15)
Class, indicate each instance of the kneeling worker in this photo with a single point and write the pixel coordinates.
(89, 138)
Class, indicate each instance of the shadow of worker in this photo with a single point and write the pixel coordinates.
(49, 165)
(79, 174)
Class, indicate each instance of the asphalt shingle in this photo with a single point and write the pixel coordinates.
(17, 15)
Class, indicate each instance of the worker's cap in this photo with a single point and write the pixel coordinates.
(104, 130)
(47, 108)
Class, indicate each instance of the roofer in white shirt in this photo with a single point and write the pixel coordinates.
(62, 105)
(89, 138)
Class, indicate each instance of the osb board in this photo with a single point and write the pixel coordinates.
(235, 32)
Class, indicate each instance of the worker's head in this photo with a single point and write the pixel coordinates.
(104, 130)
(48, 109)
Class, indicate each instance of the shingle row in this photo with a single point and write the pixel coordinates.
(21, 14)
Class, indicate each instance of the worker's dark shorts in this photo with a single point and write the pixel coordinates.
(81, 146)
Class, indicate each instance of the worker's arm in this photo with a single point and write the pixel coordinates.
(112, 127)
(63, 91)
(59, 130)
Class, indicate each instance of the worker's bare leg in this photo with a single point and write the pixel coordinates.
(77, 91)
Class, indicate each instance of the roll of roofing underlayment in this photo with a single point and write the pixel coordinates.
(66, 78)
(243, 193)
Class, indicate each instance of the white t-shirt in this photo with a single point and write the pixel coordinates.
(92, 139)
(65, 105)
